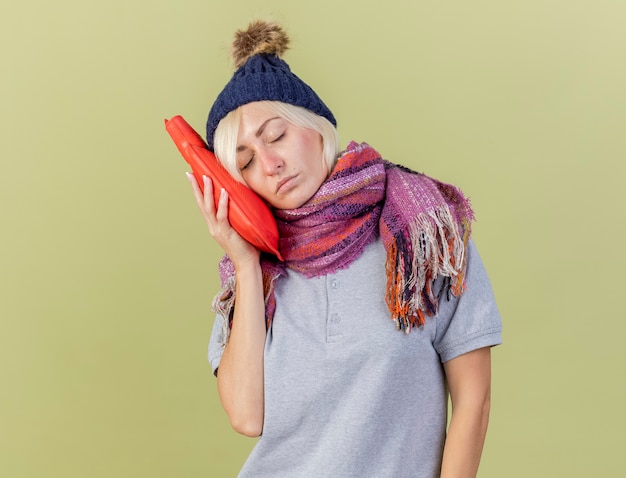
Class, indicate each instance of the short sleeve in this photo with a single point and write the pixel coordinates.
(216, 343)
(472, 320)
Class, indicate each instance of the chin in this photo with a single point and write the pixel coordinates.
(291, 203)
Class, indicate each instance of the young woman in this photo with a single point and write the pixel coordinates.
(342, 357)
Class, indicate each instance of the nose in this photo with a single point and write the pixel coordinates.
(271, 162)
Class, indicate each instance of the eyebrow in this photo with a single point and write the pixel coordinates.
(258, 133)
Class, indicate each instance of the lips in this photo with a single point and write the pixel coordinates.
(284, 184)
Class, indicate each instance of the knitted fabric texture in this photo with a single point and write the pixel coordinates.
(264, 77)
(424, 226)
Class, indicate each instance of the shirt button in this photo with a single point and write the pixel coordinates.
(334, 284)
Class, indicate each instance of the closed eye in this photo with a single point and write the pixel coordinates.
(247, 163)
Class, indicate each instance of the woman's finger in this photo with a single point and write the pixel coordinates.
(196, 189)
(222, 208)
(209, 202)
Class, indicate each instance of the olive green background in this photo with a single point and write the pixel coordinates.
(107, 270)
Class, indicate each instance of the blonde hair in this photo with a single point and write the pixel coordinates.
(225, 142)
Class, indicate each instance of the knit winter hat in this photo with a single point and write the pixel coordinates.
(262, 75)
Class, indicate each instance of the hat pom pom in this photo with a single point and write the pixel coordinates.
(260, 37)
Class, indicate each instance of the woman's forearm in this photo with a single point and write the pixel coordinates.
(240, 374)
(469, 382)
(465, 440)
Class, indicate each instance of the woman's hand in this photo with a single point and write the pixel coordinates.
(236, 247)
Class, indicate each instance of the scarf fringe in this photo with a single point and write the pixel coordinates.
(224, 306)
(432, 246)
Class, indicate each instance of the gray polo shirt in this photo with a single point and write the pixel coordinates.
(346, 393)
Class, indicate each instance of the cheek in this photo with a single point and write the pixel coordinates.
(254, 182)
(315, 146)
(323, 169)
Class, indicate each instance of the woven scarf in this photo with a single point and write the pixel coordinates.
(424, 226)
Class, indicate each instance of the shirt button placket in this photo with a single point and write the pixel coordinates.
(334, 317)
